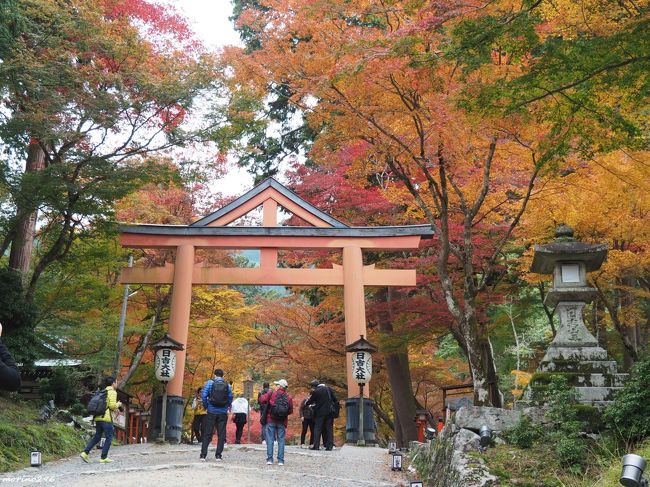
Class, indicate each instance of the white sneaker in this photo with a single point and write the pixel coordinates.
(280, 464)
(263, 442)
(269, 462)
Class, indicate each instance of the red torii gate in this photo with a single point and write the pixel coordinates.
(211, 232)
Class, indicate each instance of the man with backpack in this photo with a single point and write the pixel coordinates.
(217, 398)
(280, 406)
(101, 405)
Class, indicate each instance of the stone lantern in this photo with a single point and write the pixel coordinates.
(574, 350)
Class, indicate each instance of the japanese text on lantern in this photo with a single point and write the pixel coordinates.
(362, 367)
(165, 364)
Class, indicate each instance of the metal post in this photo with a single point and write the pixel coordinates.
(163, 419)
(361, 440)
(120, 333)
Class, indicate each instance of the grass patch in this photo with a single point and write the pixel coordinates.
(538, 467)
(21, 433)
(612, 473)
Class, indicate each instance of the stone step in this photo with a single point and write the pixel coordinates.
(596, 394)
(584, 366)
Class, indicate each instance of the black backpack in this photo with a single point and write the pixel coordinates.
(219, 394)
(335, 408)
(97, 404)
(308, 412)
(263, 407)
(280, 410)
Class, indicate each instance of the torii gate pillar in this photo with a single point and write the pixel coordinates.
(179, 318)
(354, 307)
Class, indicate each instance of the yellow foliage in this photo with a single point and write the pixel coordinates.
(220, 327)
(571, 18)
(522, 378)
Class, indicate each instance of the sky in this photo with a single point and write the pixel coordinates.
(209, 20)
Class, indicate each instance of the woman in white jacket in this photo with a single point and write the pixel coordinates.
(239, 411)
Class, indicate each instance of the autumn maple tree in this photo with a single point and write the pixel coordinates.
(88, 91)
(392, 111)
(459, 108)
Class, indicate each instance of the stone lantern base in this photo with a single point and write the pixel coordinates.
(575, 354)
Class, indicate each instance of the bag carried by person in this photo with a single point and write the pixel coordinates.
(280, 410)
(308, 412)
(97, 404)
(335, 408)
(219, 394)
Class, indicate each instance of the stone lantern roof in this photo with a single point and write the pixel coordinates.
(565, 248)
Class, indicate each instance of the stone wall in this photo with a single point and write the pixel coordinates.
(450, 464)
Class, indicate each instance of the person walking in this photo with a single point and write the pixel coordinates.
(199, 417)
(239, 416)
(9, 373)
(280, 406)
(104, 424)
(307, 417)
(217, 399)
(322, 398)
(263, 410)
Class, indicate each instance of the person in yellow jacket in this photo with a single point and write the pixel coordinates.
(199, 416)
(104, 424)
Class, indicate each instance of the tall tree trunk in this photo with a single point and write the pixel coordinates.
(142, 346)
(631, 353)
(599, 323)
(399, 375)
(547, 311)
(25, 225)
(482, 367)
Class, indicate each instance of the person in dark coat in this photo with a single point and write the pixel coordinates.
(307, 417)
(322, 399)
(263, 409)
(9, 373)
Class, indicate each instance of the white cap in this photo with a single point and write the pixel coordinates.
(282, 383)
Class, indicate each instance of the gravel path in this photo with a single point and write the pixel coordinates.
(153, 465)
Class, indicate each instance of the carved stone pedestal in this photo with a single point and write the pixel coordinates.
(575, 354)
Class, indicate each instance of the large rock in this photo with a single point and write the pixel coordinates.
(472, 471)
(474, 417)
(466, 440)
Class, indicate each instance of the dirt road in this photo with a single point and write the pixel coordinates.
(154, 465)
